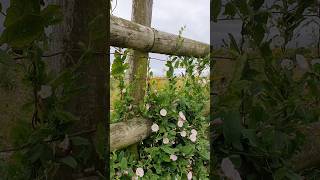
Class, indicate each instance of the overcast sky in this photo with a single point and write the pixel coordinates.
(170, 16)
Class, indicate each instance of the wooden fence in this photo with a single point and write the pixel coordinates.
(144, 39)
(136, 34)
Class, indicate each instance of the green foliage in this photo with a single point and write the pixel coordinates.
(166, 107)
(264, 106)
(45, 142)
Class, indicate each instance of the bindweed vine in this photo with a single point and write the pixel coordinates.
(260, 112)
(178, 146)
(43, 137)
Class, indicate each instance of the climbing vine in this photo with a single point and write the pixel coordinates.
(260, 113)
(43, 140)
(178, 146)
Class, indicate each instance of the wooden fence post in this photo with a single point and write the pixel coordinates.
(90, 105)
(138, 61)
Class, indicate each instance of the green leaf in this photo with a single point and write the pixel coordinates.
(51, 15)
(232, 128)
(19, 9)
(123, 163)
(23, 32)
(70, 161)
(188, 149)
(5, 58)
(215, 9)
(169, 150)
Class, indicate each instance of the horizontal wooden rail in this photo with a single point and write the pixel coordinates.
(127, 34)
(126, 133)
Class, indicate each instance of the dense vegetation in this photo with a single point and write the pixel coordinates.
(259, 114)
(41, 138)
(178, 146)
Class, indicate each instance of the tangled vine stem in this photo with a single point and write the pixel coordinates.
(61, 53)
(28, 145)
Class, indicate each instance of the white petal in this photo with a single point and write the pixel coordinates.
(165, 140)
(193, 137)
(182, 116)
(189, 175)
(173, 157)
(183, 133)
(139, 172)
(163, 112)
(154, 127)
(193, 131)
(180, 123)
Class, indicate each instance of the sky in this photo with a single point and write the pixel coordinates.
(169, 16)
(305, 34)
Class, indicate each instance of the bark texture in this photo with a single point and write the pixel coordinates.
(126, 34)
(138, 60)
(91, 104)
(124, 134)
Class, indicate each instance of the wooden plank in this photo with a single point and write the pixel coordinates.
(124, 134)
(127, 34)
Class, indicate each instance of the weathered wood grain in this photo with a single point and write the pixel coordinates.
(127, 34)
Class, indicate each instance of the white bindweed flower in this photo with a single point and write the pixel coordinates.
(130, 107)
(189, 176)
(182, 116)
(180, 123)
(155, 127)
(173, 157)
(193, 137)
(183, 133)
(165, 140)
(147, 106)
(45, 91)
(124, 90)
(193, 131)
(163, 112)
(139, 172)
